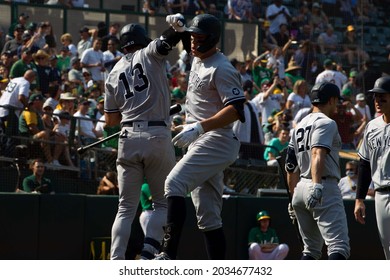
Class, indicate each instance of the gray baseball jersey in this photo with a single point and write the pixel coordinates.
(317, 130)
(213, 84)
(327, 221)
(137, 87)
(375, 148)
(211, 88)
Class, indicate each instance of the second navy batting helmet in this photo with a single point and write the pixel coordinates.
(382, 85)
(133, 34)
(209, 25)
(262, 215)
(322, 92)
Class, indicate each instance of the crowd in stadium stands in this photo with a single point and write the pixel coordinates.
(299, 47)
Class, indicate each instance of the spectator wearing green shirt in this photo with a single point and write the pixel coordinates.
(276, 145)
(22, 65)
(147, 206)
(37, 183)
(263, 241)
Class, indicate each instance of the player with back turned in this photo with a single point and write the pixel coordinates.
(374, 164)
(313, 172)
(138, 98)
(215, 100)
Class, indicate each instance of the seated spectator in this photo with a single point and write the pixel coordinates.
(85, 126)
(111, 56)
(328, 43)
(67, 41)
(263, 241)
(108, 185)
(85, 41)
(348, 183)
(299, 98)
(63, 59)
(351, 48)
(37, 182)
(351, 88)
(13, 44)
(21, 21)
(65, 104)
(61, 130)
(31, 126)
(276, 146)
(347, 12)
(318, 19)
(7, 60)
(113, 33)
(48, 118)
(303, 16)
(75, 76)
(240, 10)
(292, 74)
(349, 123)
(268, 41)
(282, 36)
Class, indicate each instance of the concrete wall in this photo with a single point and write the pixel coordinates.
(62, 226)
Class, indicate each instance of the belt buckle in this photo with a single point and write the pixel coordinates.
(140, 126)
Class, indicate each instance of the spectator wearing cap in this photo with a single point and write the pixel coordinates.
(22, 21)
(17, 98)
(292, 74)
(7, 60)
(31, 125)
(67, 41)
(88, 82)
(55, 73)
(85, 127)
(48, 118)
(22, 65)
(331, 75)
(113, 33)
(328, 42)
(66, 103)
(40, 36)
(260, 70)
(63, 59)
(85, 41)
(75, 76)
(13, 44)
(111, 56)
(351, 86)
(351, 49)
(92, 59)
(362, 106)
(272, 97)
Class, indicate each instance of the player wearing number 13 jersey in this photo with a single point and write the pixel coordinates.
(137, 96)
(313, 172)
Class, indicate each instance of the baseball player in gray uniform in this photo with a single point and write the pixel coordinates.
(312, 165)
(138, 97)
(374, 164)
(215, 100)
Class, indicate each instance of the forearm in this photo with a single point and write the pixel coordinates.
(223, 118)
(292, 181)
(317, 164)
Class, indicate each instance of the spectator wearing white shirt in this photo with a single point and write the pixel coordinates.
(332, 76)
(85, 41)
(362, 106)
(85, 128)
(111, 56)
(92, 60)
(277, 14)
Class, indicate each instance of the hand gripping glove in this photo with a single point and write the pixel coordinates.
(315, 196)
(291, 212)
(177, 22)
(188, 135)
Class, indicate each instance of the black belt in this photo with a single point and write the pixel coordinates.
(150, 123)
(323, 178)
(383, 189)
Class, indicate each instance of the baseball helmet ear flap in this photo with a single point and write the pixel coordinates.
(133, 34)
(322, 92)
